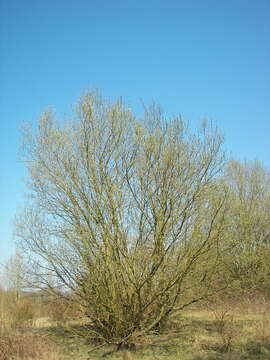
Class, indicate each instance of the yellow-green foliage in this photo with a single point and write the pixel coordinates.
(133, 220)
(248, 225)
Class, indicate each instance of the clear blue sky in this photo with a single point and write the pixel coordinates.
(202, 58)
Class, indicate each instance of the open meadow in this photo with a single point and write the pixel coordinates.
(206, 332)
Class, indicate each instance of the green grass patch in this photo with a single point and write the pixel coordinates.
(193, 335)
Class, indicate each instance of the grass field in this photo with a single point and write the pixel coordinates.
(193, 335)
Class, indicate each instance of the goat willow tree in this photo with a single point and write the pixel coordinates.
(126, 214)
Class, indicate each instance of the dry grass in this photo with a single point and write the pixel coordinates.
(217, 333)
(26, 347)
(16, 341)
(195, 335)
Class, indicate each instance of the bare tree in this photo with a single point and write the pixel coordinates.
(125, 214)
(13, 274)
